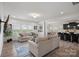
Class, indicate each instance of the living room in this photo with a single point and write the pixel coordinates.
(38, 29)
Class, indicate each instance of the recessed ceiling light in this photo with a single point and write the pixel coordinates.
(61, 12)
(34, 15)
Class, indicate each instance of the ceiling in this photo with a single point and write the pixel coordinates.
(53, 11)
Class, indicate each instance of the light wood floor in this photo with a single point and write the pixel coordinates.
(66, 49)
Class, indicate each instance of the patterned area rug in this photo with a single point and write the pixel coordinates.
(21, 49)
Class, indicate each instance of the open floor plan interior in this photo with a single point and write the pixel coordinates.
(39, 29)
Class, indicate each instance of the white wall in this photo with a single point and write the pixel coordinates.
(55, 26)
(1, 34)
(15, 22)
(18, 24)
(58, 27)
(44, 28)
(1, 38)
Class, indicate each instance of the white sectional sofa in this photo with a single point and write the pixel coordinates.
(43, 45)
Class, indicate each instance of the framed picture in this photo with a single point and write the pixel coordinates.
(40, 29)
(35, 27)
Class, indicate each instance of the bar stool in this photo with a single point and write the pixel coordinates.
(74, 37)
(67, 37)
(61, 36)
(77, 37)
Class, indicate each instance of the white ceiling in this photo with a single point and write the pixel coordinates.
(47, 10)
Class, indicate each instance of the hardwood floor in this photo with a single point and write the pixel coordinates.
(21, 49)
(66, 49)
(10, 49)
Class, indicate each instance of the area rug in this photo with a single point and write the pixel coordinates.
(22, 51)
